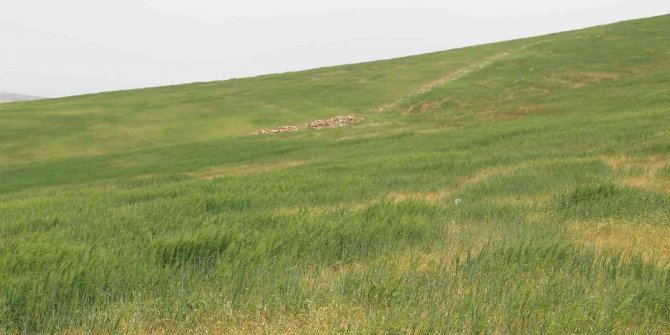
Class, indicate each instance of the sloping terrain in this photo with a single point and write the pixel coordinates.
(518, 187)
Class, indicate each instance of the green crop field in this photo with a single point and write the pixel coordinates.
(520, 187)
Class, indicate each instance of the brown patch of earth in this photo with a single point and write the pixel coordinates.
(333, 122)
(421, 108)
(282, 129)
(337, 121)
(580, 79)
(650, 167)
(650, 241)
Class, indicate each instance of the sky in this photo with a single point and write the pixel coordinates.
(68, 47)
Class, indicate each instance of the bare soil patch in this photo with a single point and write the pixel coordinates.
(649, 240)
(282, 129)
(650, 167)
(338, 121)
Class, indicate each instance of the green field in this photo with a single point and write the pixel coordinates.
(520, 187)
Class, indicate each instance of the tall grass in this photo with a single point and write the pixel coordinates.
(105, 231)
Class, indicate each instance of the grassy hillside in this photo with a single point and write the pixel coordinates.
(518, 187)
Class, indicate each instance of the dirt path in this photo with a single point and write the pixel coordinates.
(441, 81)
(458, 74)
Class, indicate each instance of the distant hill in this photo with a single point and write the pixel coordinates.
(11, 97)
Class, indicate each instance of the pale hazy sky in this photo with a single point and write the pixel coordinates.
(55, 48)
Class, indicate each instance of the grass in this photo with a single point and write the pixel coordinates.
(155, 211)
